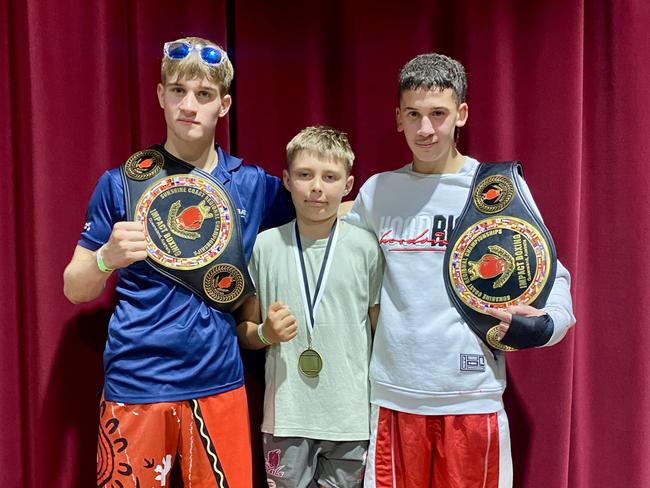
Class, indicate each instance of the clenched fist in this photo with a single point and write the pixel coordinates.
(280, 325)
(125, 246)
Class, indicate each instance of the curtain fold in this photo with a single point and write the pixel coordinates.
(561, 85)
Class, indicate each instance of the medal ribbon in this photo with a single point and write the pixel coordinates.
(310, 305)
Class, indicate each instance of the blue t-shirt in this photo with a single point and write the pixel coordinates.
(164, 342)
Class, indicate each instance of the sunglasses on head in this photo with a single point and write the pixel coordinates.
(210, 55)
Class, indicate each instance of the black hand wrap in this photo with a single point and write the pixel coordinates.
(527, 332)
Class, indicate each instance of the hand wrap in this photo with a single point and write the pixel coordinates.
(526, 332)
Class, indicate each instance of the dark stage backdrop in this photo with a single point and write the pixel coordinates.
(560, 84)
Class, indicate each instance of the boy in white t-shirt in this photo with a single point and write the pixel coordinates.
(318, 282)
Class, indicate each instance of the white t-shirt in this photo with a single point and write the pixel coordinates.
(425, 359)
(335, 405)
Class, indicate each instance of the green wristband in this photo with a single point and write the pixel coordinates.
(260, 334)
(100, 262)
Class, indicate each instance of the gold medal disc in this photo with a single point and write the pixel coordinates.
(310, 363)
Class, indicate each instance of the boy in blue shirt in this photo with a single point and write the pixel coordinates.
(173, 373)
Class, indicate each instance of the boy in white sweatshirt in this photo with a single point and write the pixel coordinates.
(436, 389)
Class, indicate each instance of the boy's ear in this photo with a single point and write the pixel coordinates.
(286, 180)
(462, 115)
(226, 102)
(398, 120)
(160, 89)
(349, 183)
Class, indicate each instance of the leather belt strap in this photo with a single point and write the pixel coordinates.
(500, 253)
(192, 227)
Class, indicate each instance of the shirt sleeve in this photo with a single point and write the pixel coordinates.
(104, 209)
(559, 305)
(253, 266)
(376, 276)
(358, 214)
(278, 207)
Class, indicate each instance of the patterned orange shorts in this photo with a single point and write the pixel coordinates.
(210, 437)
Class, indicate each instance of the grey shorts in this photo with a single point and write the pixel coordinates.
(296, 462)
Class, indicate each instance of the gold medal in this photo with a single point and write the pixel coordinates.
(310, 363)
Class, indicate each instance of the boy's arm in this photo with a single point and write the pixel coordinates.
(375, 281)
(373, 313)
(83, 281)
(118, 243)
(248, 317)
(540, 327)
(550, 324)
(278, 326)
(559, 305)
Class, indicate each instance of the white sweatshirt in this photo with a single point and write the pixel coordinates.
(425, 359)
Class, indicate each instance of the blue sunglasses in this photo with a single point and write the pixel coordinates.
(210, 55)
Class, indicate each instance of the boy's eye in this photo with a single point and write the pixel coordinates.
(411, 115)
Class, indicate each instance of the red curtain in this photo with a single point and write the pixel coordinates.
(560, 84)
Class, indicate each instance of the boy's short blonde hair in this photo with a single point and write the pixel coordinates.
(192, 67)
(323, 142)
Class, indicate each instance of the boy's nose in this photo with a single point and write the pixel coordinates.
(315, 186)
(189, 103)
(426, 127)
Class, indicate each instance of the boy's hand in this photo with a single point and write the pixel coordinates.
(505, 315)
(125, 246)
(280, 324)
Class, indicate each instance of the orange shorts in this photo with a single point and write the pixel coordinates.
(210, 438)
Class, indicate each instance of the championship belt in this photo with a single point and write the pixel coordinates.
(499, 254)
(191, 226)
